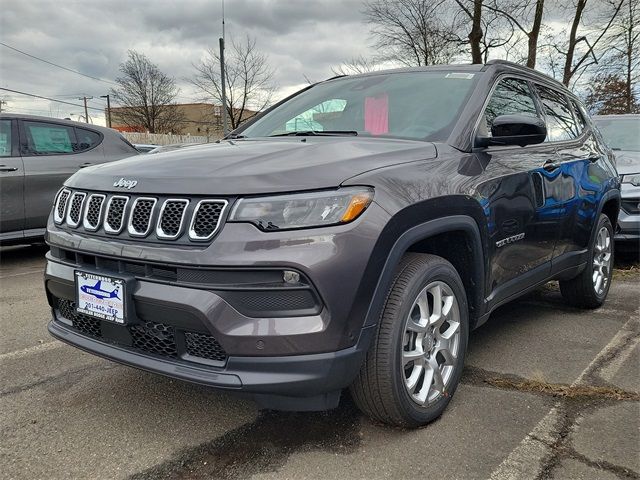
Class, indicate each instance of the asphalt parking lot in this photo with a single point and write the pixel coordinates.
(548, 392)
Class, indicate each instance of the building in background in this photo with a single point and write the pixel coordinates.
(201, 119)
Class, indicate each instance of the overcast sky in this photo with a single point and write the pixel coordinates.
(301, 37)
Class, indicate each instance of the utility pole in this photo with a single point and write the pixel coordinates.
(86, 112)
(108, 109)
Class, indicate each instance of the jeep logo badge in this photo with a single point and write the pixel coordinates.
(123, 183)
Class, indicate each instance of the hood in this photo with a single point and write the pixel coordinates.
(253, 166)
(627, 161)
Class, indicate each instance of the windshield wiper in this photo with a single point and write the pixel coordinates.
(309, 133)
(233, 136)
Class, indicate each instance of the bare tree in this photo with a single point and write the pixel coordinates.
(249, 80)
(413, 32)
(623, 54)
(356, 65)
(147, 95)
(577, 62)
(488, 29)
(526, 16)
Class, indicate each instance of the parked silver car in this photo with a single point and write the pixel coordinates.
(622, 133)
(37, 154)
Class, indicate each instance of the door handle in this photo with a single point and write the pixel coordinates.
(551, 165)
(4, 168)
(85, 165)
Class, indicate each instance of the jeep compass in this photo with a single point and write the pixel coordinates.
(351, 236)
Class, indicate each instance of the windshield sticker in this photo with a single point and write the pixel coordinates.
(466, 76)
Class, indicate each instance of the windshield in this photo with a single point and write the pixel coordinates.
(416, 105)
(620, 133)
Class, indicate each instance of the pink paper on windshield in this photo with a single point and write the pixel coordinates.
(376, 114)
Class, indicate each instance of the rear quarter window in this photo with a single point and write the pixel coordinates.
(87, 139)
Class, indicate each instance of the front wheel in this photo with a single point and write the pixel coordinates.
(590, 288)
(416, 360)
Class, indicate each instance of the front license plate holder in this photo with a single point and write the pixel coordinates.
(102, 296)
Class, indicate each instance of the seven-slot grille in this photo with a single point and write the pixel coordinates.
(168, 218)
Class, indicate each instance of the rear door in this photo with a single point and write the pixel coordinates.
(581, 175)
(11, 180)
(52, 152)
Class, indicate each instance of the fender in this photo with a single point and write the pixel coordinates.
(415, 234)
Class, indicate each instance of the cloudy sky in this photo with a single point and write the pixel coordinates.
(302, 39)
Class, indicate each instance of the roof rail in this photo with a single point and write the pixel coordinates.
(524, 67)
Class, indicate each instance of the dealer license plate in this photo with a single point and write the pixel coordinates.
(100, 296)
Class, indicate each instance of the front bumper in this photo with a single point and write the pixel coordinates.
(628, 228)
(300, 382)
(287, 359)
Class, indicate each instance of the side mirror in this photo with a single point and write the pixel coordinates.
(515, 130)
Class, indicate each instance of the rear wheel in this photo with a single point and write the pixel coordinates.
(416, 360)
(590, 288)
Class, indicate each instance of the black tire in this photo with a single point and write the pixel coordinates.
(379, 389)
(580, 291)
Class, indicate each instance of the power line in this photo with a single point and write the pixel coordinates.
(56, 65)
(50, 99)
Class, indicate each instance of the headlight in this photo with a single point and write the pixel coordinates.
(632, 178)
(303, 210)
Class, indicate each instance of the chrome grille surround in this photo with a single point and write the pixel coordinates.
(171, 208)
(75, 209)
(93, 212)
(196, 226)
(115, 214)
(61, 205)
(147, 205)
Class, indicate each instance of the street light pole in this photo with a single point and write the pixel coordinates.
(108, 109)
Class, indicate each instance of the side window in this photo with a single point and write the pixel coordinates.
(6, 143)
(511, 96)
(49, 138)
(87, 139)
(560, 123)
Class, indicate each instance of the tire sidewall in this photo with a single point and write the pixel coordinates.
(444, 272)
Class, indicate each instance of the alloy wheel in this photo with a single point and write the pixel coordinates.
(602, 261)
(431, 343)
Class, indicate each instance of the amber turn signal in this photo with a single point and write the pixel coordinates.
(358, 204)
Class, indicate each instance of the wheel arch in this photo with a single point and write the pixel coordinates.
(427, 237)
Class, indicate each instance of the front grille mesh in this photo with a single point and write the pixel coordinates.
(62, 203)
(141, 215)
(116, 213)
(149, 337)
(155, 338)
(75, 209)
(171, 221)
(204, 346)
(206, 218)
(94, 208)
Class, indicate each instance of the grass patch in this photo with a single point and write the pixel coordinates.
(563, 391)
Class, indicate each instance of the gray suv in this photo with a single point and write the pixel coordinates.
(350, 236)
(37, 154)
